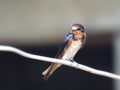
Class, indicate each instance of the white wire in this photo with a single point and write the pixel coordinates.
(64, 62)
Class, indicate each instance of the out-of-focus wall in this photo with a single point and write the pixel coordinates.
(47, 21)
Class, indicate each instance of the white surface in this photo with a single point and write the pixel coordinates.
(116, 59)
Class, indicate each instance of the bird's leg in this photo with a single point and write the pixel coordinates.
(74, 62)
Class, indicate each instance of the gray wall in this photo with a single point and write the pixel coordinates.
(47, 21)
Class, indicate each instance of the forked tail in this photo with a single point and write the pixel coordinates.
(49, 71)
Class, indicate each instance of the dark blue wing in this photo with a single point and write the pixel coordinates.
(63, 44)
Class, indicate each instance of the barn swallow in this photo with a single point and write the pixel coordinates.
(71, 44)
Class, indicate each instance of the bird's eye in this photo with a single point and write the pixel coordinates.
(74, 30)
(79, 29)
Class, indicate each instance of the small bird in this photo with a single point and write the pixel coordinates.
(71, 44)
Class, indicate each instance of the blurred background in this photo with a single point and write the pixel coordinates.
(39, 26)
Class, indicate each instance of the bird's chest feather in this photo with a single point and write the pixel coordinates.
(75, 46)
(72, 49)
(78, 34)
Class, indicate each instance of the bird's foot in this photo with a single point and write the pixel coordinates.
(73, 61)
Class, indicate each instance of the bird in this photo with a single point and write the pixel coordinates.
(71, 44)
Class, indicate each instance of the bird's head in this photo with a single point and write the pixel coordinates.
(77, 28)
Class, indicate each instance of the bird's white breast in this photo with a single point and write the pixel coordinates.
(72, 50)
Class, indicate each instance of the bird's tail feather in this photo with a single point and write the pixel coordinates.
(49, 71)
